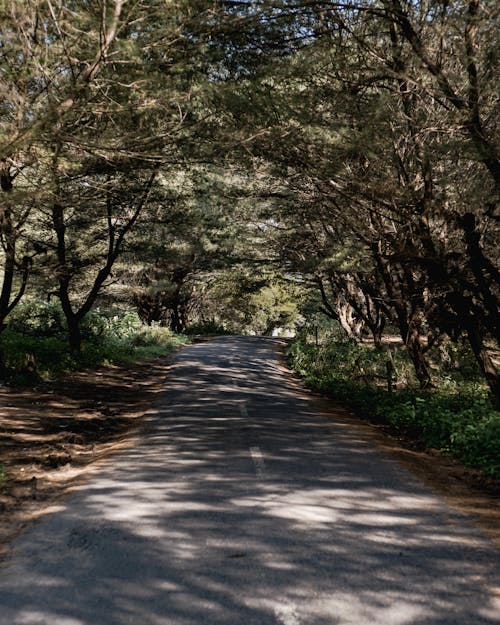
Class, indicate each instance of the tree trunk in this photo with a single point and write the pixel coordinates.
(8, 243)
(416, 353)
(74, 335)
(8, 235)
(485, 363)
(377, 336)
(485, 273)
(2, 362)
(175, 322)
(345, 314)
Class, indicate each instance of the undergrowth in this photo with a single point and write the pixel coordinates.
(35, 346)
(457, 417)
(208, 328)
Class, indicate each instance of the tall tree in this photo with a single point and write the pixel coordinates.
(383, 120)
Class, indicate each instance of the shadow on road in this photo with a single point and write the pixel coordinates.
(244, 506)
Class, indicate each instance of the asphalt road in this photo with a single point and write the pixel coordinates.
(244, 505)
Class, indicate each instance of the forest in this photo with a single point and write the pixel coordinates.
(321, 170)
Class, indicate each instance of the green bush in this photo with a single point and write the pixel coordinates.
(111, 325)
(344, 359)
(108, 337)
(209, 328)
(456, 361)
(477, 443)
(38, 319)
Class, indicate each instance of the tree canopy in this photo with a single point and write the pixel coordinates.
(253, 164)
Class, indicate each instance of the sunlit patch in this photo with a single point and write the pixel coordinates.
(286, 614)
(36, 617)
(374, 519)
(491, 612)
(353, 609)
(386, 538)
(168, 586)
(307, 513)
(344, 609)
(413, 502)
(303, 507)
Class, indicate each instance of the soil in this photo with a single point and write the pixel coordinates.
(52, 434)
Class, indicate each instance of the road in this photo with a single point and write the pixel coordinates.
(244, 505)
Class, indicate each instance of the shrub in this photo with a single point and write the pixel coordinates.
(109, 337)
(38, 319)
(208, 328)
(26, 357)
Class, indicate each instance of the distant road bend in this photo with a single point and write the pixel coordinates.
(244, 505)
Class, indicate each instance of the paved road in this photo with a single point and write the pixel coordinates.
(243, 505)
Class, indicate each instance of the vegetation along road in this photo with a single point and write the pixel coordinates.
(243, 504)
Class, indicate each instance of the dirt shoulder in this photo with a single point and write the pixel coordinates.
(50, 435)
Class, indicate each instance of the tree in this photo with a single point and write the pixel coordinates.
(88, 240)
(50, 57)
(372, 127)
(88, 123)
(198, 230)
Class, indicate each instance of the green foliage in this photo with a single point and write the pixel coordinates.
(345, 359)
(209, 328)
(456, 361)
(38, 319)
(26, 357)
(253, 302)
(458, 418)
(109, 337)
(112, 325)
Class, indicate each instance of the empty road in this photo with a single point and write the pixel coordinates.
(244, 505)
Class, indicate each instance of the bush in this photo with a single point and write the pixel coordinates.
(109, 337)
(456, 361)
(38, 319)
(344, 359)
(208, 328)
(27, 357)
(111, 325)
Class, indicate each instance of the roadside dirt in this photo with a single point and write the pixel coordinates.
(52, 434)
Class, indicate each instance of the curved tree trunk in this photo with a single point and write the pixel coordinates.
(416, 353)
(485, 363)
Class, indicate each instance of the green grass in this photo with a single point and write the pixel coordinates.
(457, 418)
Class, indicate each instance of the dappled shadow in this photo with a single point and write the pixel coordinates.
(79, 406)
(50, 433)
(243, 506)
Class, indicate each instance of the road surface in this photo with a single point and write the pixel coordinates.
(244, 505)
